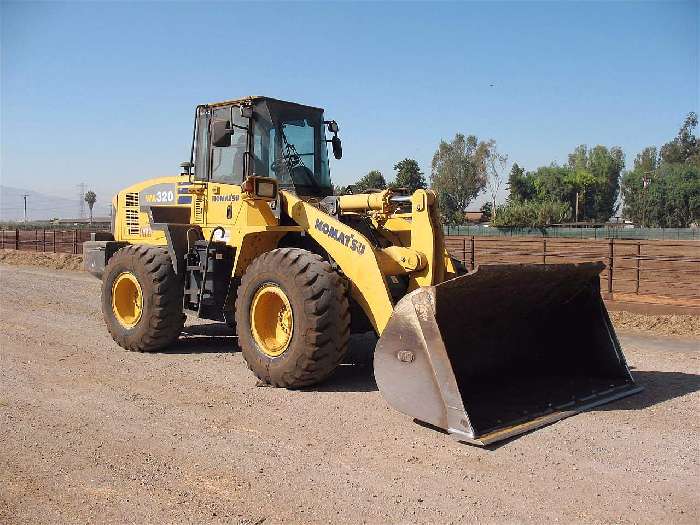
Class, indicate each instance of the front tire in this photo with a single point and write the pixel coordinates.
(142, 299)
(292, 317)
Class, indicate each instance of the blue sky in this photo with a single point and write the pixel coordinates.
(103, 93)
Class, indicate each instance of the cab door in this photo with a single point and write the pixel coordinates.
(225, 172)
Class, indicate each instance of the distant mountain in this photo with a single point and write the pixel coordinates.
(41, 206)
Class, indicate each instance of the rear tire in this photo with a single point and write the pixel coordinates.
(318, 329)
(150, 279)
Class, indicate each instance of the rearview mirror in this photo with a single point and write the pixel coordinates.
(337, 147)
(333, 126)
(221, 132)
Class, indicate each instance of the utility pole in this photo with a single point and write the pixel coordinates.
(81, 199)
(25, 206)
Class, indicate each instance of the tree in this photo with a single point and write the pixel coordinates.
(458, 174)
(494, 175)
(408, 176)
(647, 160)
(589, 183)
(668, 197)
(487, 209)
(374, 180)
(91, 199)
(685, 147)
(664, 190)
(520, 186)
(596, 181)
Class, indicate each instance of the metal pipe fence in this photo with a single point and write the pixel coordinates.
(606, 232)
(46, 240)
(658, 268)
(640, 267)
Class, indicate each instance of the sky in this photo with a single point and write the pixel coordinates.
(103, 93)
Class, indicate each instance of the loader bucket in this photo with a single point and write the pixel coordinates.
(502, 350)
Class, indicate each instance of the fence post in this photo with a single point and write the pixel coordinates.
(16, 238)
(43, 240)
(54, 240)
(639, 263)
(75, 242)
(544, 250)
(464, 249)
(472, 257)
(611, 255)
(36, 240)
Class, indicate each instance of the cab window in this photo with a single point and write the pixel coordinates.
(227, 163)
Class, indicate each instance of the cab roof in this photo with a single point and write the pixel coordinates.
(256, 98)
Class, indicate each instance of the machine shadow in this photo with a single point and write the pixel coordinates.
(205, 338)
(356, 372)
(658, 387)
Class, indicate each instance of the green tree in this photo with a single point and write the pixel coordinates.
(647, 160)
(91, 199)
(458, 174)
(685, 148)
(487, 209)
(591, 178)
(668, 197)
(596, 180)
(374, 180)
(664, 190)
(408, 176)
(520, 186)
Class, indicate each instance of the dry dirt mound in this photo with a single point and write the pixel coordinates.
(685, 325)
(56, 261)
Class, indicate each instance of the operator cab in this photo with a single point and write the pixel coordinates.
(264, 137)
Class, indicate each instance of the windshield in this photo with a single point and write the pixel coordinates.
(289, 144)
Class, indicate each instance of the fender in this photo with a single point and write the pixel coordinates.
(352, 251)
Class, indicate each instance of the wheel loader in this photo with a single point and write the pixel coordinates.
(251, 233)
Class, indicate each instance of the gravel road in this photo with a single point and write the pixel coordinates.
(92, 433)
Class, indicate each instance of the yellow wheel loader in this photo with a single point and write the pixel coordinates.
(250, 233)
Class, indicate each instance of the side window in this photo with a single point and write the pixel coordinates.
(227, 163)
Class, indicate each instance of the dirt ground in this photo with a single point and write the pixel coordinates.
(93, 433)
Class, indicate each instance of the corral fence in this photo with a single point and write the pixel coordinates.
(632, 268)
(671, 234)
(46, 240)
(640, 267)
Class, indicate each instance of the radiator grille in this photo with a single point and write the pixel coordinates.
(131, 211)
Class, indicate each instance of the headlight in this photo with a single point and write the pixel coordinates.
(266, 189)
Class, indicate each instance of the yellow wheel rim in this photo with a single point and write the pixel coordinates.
(271, 320)
(127, 299)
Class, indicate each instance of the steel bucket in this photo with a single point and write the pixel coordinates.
(502, 350)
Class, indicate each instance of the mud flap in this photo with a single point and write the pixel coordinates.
(502, 350)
